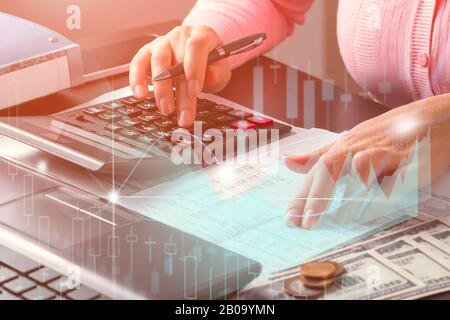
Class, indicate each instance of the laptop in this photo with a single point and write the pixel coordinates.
(61, 176)
(60, 242)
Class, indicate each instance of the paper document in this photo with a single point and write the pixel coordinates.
(242, 208)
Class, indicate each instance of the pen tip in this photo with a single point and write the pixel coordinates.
(162, 76)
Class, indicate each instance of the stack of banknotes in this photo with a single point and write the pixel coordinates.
(408, 261)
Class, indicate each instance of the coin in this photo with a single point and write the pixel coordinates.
(318, 269)
(340, 269)
(316, 284)
(295, 288)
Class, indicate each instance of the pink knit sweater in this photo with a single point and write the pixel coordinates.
(396, 49)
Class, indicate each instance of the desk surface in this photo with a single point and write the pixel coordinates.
(262, 84)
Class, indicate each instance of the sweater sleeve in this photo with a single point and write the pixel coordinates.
(232, 19)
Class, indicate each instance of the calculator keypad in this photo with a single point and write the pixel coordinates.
(139, 122)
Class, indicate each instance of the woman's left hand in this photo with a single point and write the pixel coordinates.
(381, 142)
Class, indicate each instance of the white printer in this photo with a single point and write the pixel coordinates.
(35, 61)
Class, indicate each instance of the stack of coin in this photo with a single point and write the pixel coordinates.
(314, 278)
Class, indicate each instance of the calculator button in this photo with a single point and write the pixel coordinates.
(127, 123)
(130, 111)
(243, 125)
(113, 105)
(165, 123)
(112, 128)
(180, 130)
(224, 119)
(261, 121)
(202, 101)
(110, 116)
(205, 104)
(205, 124)
(220, 108)
(239, 114)
(159, 113)
(151, 117)
(141, 127)
(130, 133)
(183, 143)
(93, 111)
(158, 134)
(131, 100)
(180, 134)
(150, 97)
(204, 114)
(145, 139)
(148, 106)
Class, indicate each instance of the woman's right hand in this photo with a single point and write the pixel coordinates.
(191, 46)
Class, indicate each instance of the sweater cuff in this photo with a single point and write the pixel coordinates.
(233, 20)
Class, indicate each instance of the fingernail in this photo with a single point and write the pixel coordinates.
(194, 88)
(139, 91)
(294, 216)
(165, 105)
(302, 160)
(308, 219)
(185, 119)
(290, 223)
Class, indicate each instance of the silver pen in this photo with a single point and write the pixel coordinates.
(239, 46)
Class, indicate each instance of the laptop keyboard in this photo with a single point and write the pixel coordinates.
(22, 278)
(139, 124)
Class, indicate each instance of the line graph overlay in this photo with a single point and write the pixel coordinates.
(252, 221)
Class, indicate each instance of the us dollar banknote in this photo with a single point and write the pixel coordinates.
(433, 246)
(434, 226)
(431, 227)
(368, 276)
(422, 264)
(371, 277)
(409, 263)
(443, 236)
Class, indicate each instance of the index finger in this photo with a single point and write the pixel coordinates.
(319, 196)
(139, 70)
(316, 194)
(198, 47)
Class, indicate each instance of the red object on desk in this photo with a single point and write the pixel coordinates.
(243, 125)
(261, 121)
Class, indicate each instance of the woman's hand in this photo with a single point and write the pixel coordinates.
(183, 44)
(381, 142)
